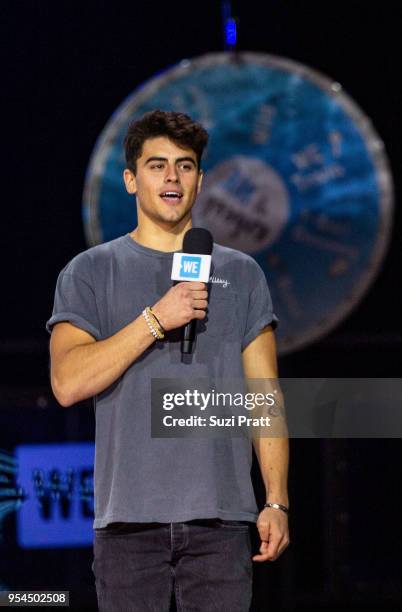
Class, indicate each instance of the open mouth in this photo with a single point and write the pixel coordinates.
(171, 196)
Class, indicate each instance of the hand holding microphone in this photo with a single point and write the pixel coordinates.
(186, 301)
(182, 303)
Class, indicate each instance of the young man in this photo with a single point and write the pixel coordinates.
(169, 513)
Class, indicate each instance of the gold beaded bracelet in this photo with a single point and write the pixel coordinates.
(152, 323)
(163, 330)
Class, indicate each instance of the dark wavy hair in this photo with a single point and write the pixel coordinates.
(178, 127)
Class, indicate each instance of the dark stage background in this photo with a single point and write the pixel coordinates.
(66, 67)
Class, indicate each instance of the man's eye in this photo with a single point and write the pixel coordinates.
(158, 166)
(186, 166)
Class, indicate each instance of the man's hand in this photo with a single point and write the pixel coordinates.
(273, 528)
(182, 303)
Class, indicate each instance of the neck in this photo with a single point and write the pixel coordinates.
(167, 239)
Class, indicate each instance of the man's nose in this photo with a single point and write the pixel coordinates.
(171, 174)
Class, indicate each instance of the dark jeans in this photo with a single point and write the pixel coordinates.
(206, 562)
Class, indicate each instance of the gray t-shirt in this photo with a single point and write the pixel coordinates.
(144, 479)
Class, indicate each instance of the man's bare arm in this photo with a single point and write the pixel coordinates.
(82, 367)
(259, 361)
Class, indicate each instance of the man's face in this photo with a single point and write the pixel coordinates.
(167, 181)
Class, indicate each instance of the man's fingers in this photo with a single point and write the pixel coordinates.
(200, 304)
(274, 544)
(272, 550)
(264, 557)
(199, 295)
(194, 285)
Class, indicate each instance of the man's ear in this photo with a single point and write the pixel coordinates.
(130, 181)
(199, 181)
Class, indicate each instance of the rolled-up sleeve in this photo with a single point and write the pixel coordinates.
(75, 302)
(260, 311)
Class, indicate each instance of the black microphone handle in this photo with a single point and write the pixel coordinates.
(188, 337)
(188, 331)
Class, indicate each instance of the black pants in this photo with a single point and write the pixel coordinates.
(207, 563)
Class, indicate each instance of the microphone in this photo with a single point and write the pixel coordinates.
(192, 264)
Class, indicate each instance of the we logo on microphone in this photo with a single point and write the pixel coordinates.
(191, 267)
